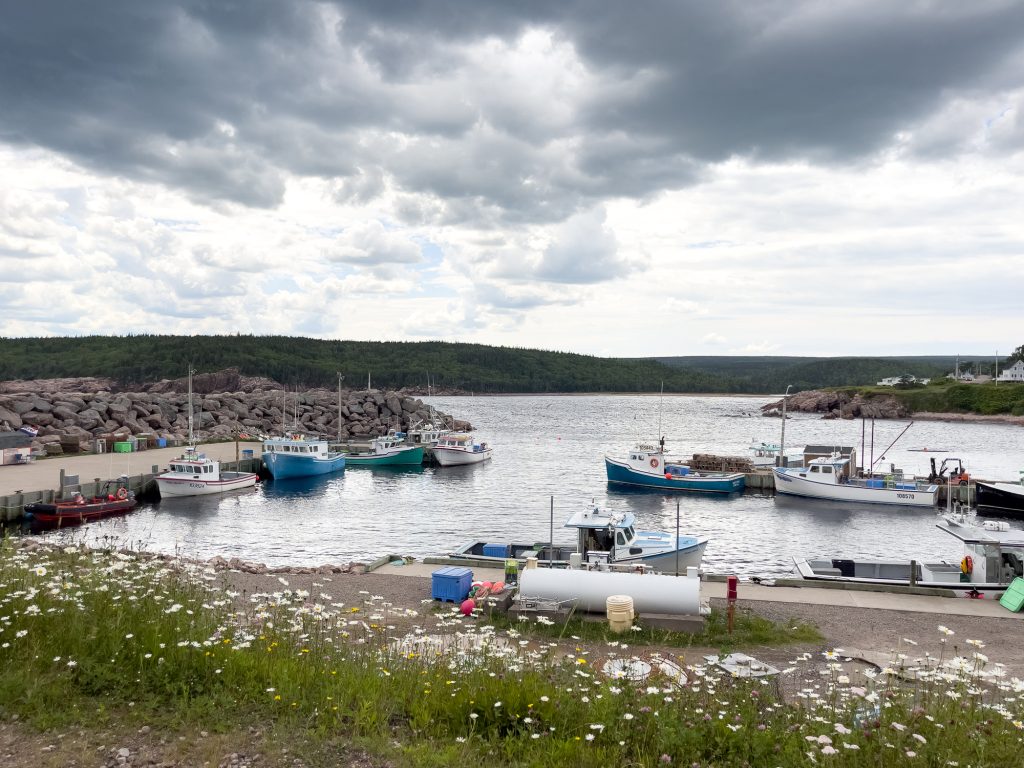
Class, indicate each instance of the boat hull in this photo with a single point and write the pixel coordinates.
(229, 481)
(621, 473)
(403, 457)
(1005, 498)
(689, 556)
(282, 466)
(73, 514)
(794, 485)
(455, 457)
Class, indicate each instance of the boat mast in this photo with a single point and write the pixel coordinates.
(340, 379)
(191, 435)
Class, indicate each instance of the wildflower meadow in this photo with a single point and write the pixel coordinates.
(89, 634)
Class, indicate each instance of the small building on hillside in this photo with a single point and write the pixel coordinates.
(15, 448)
(1014, 373)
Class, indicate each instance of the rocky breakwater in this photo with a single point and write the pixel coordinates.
(839, 405)
(71, 421)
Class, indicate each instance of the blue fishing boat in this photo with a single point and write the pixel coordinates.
(299, 456)
(647, 466)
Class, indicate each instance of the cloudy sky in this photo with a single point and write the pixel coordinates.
(656, 178)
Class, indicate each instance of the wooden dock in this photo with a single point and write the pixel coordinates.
(60, 476)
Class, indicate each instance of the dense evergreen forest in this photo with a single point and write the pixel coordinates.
(316, 362)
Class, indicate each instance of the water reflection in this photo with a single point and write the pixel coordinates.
(553, 447)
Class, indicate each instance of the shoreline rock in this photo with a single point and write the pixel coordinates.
(68, 421)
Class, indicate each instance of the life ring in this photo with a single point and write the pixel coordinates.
(654, 463)
(79, 500)
(122, 493)
(967, 564)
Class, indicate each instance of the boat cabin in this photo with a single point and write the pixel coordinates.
(296, 444)
(813, 452)
(996, 550)
(601, 533)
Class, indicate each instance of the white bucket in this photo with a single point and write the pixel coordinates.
(531, 563)
(619, 609)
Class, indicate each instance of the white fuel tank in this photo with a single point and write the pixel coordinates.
(590, 590)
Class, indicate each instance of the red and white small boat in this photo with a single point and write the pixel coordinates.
(458, 448)
(114, 499)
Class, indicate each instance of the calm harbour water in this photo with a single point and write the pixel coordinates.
(553, 446)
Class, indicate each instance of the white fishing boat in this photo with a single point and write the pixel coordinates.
(829, 478)
(764, 455)
(195, 473)
(458, 448)
(993, 556)
(602, 537)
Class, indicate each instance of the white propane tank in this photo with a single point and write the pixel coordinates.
(590, 590)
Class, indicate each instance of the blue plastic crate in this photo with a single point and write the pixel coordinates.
(451, 583)
(496, 550)
(875, 483)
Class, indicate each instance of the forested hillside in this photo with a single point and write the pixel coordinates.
(315, 362)
(774, 374)
(471, 367)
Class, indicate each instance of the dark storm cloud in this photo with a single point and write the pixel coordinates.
(225, 100)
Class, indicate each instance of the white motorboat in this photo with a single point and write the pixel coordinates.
(602, 538)
(993, 557)
(829, 478)
(195, 473)
(458, 448)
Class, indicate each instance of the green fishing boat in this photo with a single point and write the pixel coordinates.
(387, 451)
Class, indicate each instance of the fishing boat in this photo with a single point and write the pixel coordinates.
(647, 466)
(458, 448)
(195, 473)
(386, 451)
(765, 454)
(296, 455)
(114, 498)
(601, 537)
(829, 478)
(1005, 499)
(993, 557)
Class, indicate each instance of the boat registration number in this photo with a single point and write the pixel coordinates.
(904, 495)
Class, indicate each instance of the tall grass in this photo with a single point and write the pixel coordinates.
(83, 633)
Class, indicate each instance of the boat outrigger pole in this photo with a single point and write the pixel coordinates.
(892, 444)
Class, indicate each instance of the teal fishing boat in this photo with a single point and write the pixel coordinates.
(387, 451)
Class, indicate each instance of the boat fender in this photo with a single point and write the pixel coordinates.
(122, 493)
(654, 463)
(967, 564)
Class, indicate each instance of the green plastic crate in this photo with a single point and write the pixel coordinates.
(1013, 597)
(122, 447)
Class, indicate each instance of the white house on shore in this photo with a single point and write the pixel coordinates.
(1014, 373)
